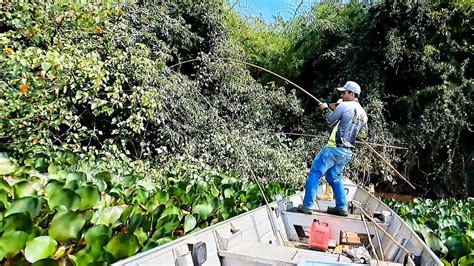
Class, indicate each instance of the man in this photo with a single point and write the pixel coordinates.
(349, 121)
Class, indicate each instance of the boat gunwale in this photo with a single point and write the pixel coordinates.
(212, 228)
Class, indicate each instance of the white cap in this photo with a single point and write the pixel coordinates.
(350, 86)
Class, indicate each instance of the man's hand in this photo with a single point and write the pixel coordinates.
(323, 106)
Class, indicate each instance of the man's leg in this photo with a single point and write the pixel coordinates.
(335, 178)
(317, 170)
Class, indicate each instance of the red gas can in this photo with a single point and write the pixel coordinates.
(319, 235)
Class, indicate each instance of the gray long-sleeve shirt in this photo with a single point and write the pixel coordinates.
(349, 120)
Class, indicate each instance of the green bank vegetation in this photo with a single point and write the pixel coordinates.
(97, 131)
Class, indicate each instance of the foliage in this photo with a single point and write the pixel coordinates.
(261, 44)
(100, 220)
(93, 79)
(432, 77)
(414, 63)
(446, 225)
(118, 153)
(121, 150)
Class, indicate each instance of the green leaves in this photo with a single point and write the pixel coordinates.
(445, 224)
(65, 197)
(189, 223)
(107, 216)
(134, 222)
(39, 248)
(90, 197)
(150, 243)
(52, 187)
(106, 176)
(7, 166)
(228, 193)
(17, 221)
(140, 195)
(23, 189)
(466, 260)
(32, 205)
(122, 245)
(203, 211)
(66, 225)
(11, 243)
(168, 222)
(114, 224)
(97, 236)
(459, 245)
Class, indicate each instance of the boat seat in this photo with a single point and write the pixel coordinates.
(252, 253)
(293, 220)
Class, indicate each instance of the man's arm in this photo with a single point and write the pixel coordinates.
(333, 106)
(331, 116)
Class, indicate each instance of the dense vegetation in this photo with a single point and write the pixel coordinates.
(99, 131)
(93, 80)
(108, 141)
(54, 212)
(414, 62)
(446, 225)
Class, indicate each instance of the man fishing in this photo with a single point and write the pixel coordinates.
(349, 121)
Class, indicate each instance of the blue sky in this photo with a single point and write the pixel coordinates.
(266, 9)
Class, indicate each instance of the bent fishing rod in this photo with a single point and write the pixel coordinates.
(378, 155)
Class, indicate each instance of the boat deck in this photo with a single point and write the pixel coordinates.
(295, 251)
(265, 254)
(278, 235)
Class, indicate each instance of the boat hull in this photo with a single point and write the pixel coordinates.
(275, 234)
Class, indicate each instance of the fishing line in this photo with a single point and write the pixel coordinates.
(274, 224)
(372, 150)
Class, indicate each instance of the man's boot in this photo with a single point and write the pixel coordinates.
(337, 211)
(304, 210)
(328, 195)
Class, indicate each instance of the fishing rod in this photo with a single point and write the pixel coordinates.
(372, 150)
(253, 65)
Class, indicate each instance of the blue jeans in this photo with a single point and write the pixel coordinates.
(330, 162)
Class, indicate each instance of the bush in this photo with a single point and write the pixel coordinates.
(415, 70)
(94, 80)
